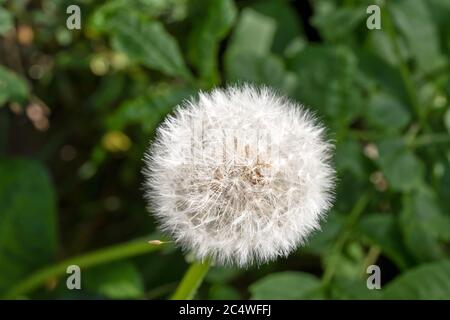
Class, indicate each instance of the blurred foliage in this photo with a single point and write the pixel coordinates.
(79, 107)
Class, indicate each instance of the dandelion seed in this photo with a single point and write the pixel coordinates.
(240, 175)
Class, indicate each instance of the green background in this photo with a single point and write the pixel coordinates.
(79, 107)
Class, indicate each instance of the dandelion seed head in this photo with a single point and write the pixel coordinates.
(240, 175)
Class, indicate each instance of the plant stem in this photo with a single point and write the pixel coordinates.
(191, 281)
(371, 257)
(428, 139)
(109, 254)
(343, 237)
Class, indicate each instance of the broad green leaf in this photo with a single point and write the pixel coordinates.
(120, 280)
(253, 33)
(427, 206)
(336, 23)
(148, 42)
(402, 169)
(427, 282)
(106, 15)
(211, 25)
(404, 172)
(419, 222)
(288, 24)
(386, 112)
(248, 56)
(321, 241)
(353, 289)
(349, 157)
(380, 43)
(416, 23)
(288, 286)
(385, 76)
(381, 230)
(12, 86)
(326, 82)
(6, 21)
(102, 19)
(266, 69)
(28, 238)
(348, 191)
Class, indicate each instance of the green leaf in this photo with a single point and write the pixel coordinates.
(349, 157)
(148, 42)
(104, 17)
(254, 33)
(419, 222)
(248, 56)
(288, 24)
(321, 241)
(403, 170)
(386, 112)
(6, 21)
(12, 87)
(27, 220)
(384, 75)
(213, 23)
(415, 21)
(266, 69)
(353, 289)
(381, 230)
(326, 82)
(119, 280)
(427, 282)
(336, 23)
(287, 286)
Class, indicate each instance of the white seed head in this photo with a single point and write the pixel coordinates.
(239, 175)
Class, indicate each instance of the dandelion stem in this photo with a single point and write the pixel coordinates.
(109, 254)
(191, 281)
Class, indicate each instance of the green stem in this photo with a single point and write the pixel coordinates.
(191, 281)
(371, 258)
(342, 239)
(112, 253)
(428, 139)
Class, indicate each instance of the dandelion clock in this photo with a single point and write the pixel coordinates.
(239, 176)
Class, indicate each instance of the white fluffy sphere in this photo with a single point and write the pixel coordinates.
(239, 175)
